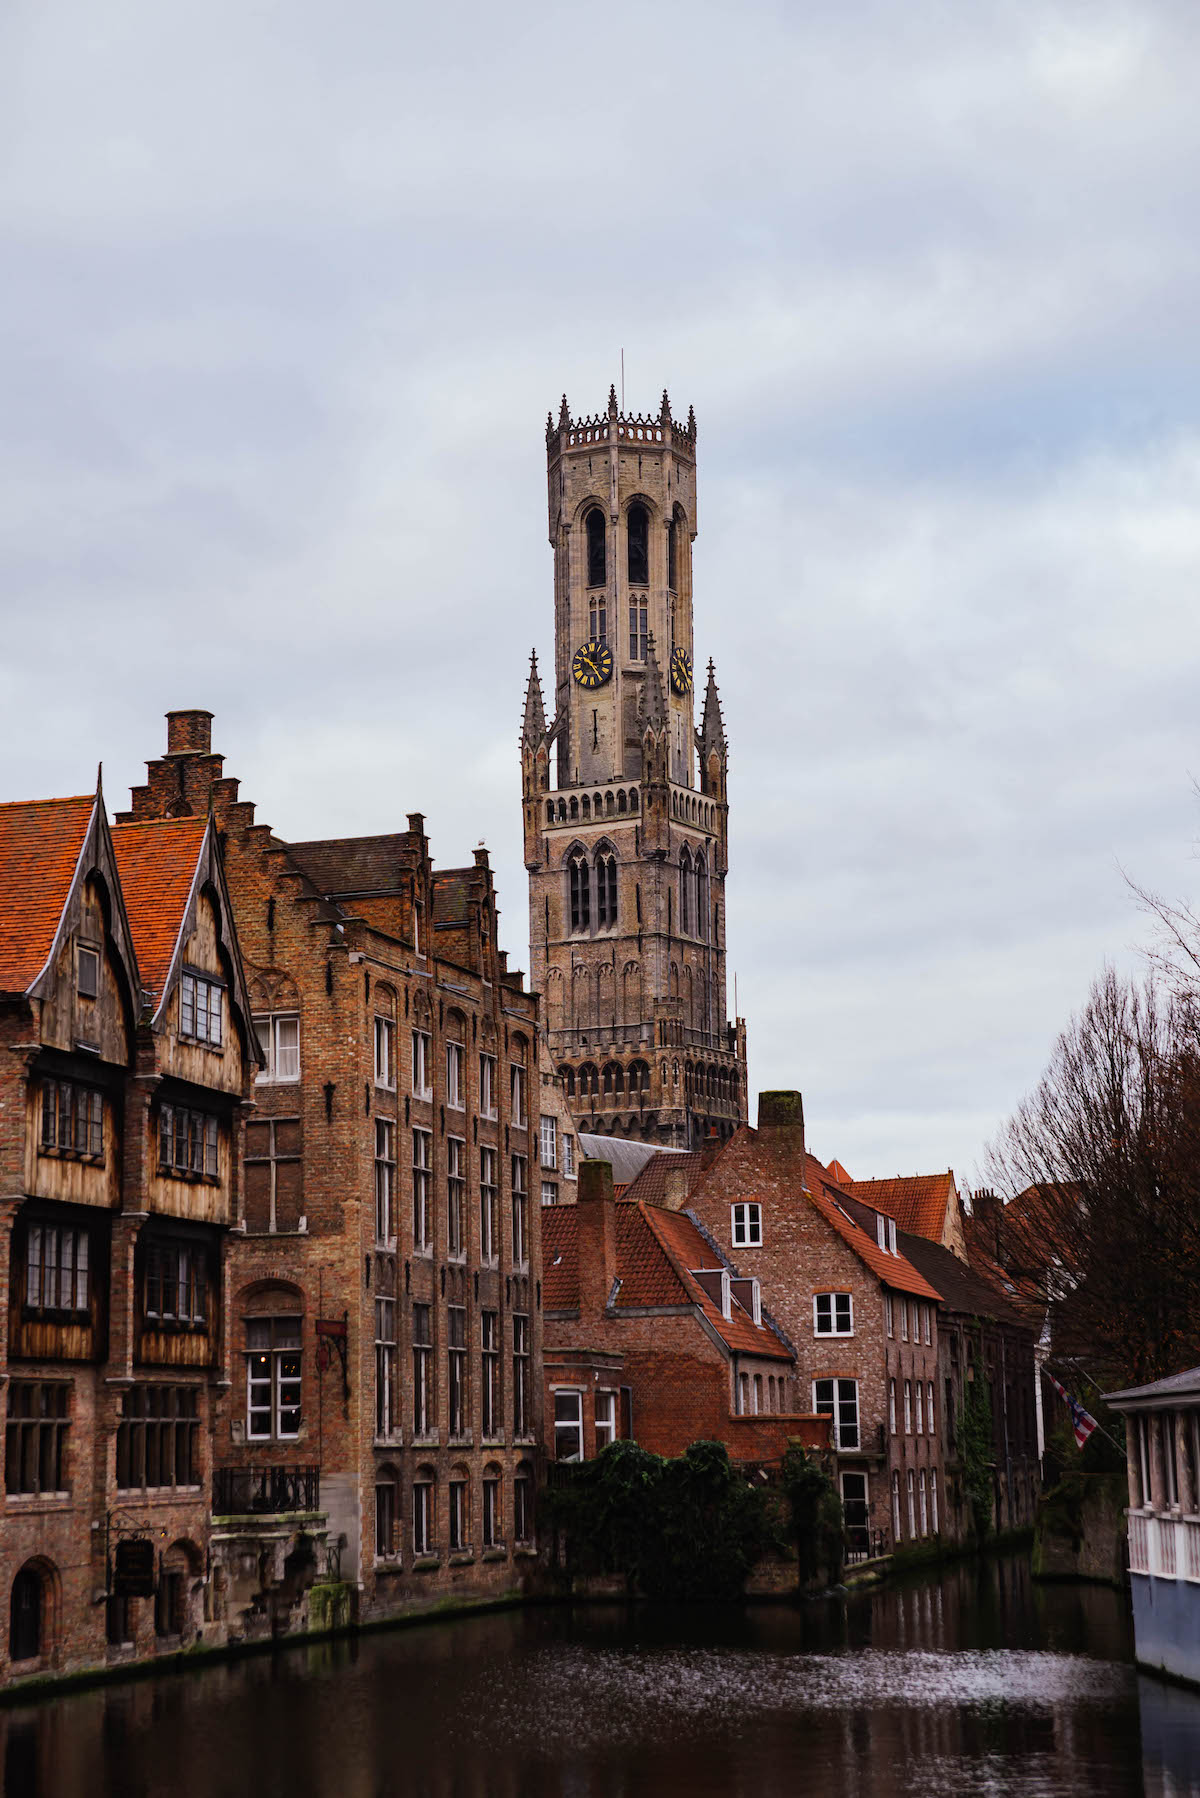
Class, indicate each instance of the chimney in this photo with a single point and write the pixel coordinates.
(189, 733)
(675, 1189)
(986, 1208)
(781, 1111)
(710, 1148)
(597, 1237)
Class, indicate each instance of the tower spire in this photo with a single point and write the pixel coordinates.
(712, 727)
(654, 698)
(533, 728)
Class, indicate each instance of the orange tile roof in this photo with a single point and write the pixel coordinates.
(651, 1184)
(893, 1270)
(40, 841)
(842, 1175)
(656, 1251)
(157, 864)
(917, 1201)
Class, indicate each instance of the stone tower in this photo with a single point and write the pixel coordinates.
(626, 816)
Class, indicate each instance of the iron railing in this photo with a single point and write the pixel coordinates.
(863, 1544)
(241, 1491)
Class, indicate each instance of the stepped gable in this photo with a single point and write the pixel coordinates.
(917, 1202)
(41, 841)
(157, 862)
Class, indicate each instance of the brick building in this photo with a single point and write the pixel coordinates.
(861, 1319)
(625, 801)
(652, 1335)
(925, 1205)
(128, 1058)
(385, 1318)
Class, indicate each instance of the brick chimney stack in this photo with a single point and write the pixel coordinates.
(782, 1111)
(597, 1236)
(189, 733)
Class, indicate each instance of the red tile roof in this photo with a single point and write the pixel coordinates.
(40, 841)
(652, 1183)
(840, 1174)
(157, 864)
(893, 1270)
(656, 1251)
(917, 1201)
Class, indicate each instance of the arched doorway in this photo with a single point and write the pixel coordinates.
(27, 1620)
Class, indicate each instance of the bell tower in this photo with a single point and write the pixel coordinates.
(625, 807)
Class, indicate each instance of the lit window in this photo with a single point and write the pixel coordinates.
(747, 1226)
(279, 1039)
(833, 1314)
(272, 1377)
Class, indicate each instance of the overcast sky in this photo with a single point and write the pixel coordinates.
(288, 289)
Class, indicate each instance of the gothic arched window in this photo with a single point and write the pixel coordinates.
(579, 876)
(637, 530)
(596, 561)
(701, 897)
(606, 888)
(673, 554)
(685, 892)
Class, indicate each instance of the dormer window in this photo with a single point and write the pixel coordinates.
(87, 972)
(891, 1224)
(201, 1003)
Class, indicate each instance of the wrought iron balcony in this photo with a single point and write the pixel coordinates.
(265, 1491)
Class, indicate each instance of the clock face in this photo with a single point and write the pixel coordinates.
(592, 664)
(681, 671)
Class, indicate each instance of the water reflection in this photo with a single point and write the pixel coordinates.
(978, 1682)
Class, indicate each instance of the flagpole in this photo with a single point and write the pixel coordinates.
(1119, 1446)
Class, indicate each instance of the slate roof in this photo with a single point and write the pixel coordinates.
(451, 898)
(156, 861)
(40, 844)
(917, 1202)
(354, 865)
(1174, 1386)
(627, 1158)
(656, 1251)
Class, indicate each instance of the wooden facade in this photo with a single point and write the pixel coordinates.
(113, 1230)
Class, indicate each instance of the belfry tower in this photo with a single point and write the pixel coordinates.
(626, 815)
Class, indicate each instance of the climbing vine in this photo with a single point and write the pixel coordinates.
(687, 1527)
(817, 1529)
(976, 1452)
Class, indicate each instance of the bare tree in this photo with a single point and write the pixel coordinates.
(1102, 1162)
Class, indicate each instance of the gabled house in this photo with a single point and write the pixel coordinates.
(926, 1205)
(652, 1334)
(124, 1011)
(861, 1318)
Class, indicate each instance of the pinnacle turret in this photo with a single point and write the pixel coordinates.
(654, 698)
(533, 729)
(712, 727)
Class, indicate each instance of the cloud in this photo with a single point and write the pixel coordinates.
(288, 296)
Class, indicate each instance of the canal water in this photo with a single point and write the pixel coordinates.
(977, 1681)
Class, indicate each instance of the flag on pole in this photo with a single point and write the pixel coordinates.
(1082, 1421)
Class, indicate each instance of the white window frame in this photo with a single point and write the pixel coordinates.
(892, 1407)
(889, 1314)
(422, 1064)
(549, 1193)
(929, 1412)
(489, 1207)
(745, 1224)
(828, 1312)
(892, 1249)
(606, 1417)
(844, 1394)
(385, 1182)
(423, 1226)
(904, 1320)
(491, 1535)
(385, 1053)
(923, 1495)
(912, 1504)
(933, 1499)
(908, 1408)
(566, 1400)
(456, 1197)
(283, 1060)
(881, 1231)
(929, 1324)
(548, 1141)
(87, 955)
(422, 1517)
(568, 1156)
(275, 1380)
(919, 1402)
